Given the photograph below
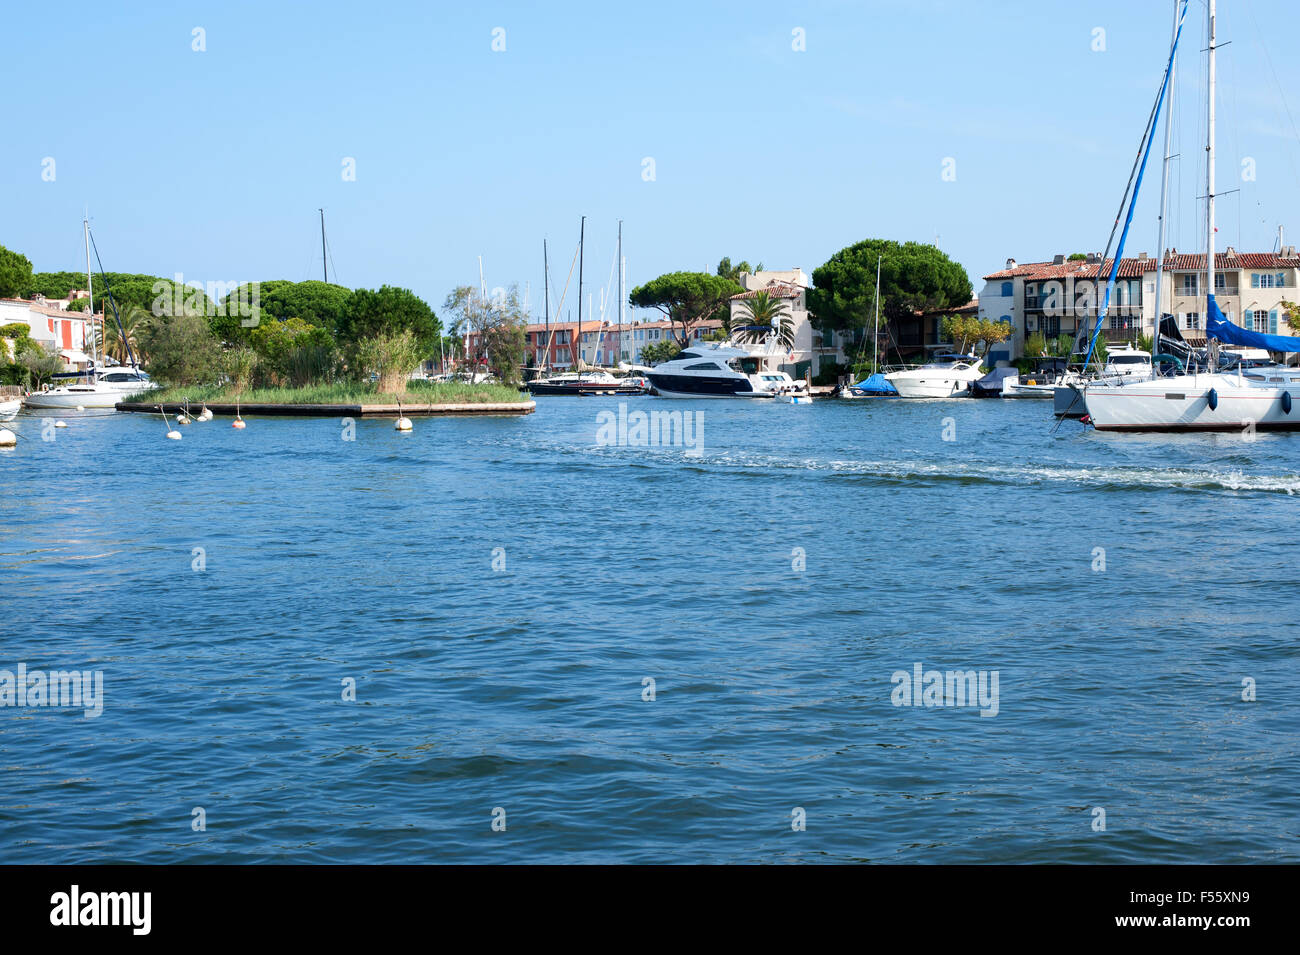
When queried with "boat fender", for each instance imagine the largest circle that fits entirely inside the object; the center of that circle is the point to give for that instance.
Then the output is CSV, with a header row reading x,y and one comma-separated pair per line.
x,y
1286,402
1212,399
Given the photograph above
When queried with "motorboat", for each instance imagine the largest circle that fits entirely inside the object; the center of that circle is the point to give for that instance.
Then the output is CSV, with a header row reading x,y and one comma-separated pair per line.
x,y
990,386
102,390
873,386
10,407
1040,381
586,383
944,376
719,370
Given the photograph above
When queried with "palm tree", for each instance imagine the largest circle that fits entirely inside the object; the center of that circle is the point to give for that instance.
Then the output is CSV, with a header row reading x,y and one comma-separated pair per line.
x,y
766,317
134,318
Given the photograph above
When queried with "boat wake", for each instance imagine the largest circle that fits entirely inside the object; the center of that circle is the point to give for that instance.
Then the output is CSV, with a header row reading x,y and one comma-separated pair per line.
x,y
1101,477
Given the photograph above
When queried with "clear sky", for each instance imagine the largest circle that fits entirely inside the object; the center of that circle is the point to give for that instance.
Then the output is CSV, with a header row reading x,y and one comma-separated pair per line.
x,y
213,163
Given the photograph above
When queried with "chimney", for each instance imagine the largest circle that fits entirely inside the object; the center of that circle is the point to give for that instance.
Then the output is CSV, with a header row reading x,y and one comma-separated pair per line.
x,y
1011,263
1230,252
1058,259
1142,256
1090,258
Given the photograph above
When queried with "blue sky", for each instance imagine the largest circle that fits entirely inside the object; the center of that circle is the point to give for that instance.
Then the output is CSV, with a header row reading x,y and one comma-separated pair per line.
x,y
214,163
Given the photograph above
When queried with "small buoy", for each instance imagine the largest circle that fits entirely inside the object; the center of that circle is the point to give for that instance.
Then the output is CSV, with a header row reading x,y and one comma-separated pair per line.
x,y
174,435
237,423
60,424
81,407
1286,402
182,418
7,438
205,414
1212,399
1086,419
403,424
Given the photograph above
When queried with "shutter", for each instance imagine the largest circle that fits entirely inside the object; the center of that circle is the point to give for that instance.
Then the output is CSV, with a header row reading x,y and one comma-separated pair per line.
x,y
1272,322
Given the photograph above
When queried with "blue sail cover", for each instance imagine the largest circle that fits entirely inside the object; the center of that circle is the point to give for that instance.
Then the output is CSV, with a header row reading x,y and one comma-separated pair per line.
x,y
1218,327
877,384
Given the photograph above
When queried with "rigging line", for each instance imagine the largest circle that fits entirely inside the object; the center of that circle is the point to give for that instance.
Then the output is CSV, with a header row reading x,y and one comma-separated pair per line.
x,y
1128,221
130,355
1143,146
560,305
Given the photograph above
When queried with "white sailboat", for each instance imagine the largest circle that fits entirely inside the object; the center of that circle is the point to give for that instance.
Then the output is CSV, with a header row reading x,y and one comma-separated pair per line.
x,y
103,388
1243,399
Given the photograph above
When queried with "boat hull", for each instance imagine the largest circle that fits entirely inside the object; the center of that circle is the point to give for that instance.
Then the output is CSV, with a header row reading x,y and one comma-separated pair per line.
x,y
78,399
1184,404
931,387
696,386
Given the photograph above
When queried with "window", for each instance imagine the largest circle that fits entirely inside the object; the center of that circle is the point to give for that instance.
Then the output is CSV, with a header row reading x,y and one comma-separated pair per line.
x,y
1259,321
704,366
1006,289
1189,285
1268,280
1192,320
828,339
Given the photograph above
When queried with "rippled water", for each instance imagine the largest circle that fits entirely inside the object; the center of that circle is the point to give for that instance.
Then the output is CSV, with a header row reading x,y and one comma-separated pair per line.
x,y
522,688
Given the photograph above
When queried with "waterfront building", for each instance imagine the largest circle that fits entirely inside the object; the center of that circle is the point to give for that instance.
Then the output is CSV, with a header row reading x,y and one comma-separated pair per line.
x,y
1055,297
52,325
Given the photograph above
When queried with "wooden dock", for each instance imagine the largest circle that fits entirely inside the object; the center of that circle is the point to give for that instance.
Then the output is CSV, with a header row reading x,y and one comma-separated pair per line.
x,y
409,409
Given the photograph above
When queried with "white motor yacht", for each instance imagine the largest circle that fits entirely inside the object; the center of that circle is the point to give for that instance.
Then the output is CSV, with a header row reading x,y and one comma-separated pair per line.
x,y
720,370
105,391
944,376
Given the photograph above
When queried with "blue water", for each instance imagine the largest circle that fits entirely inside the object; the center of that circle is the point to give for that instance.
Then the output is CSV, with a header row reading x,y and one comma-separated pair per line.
x,y
520,688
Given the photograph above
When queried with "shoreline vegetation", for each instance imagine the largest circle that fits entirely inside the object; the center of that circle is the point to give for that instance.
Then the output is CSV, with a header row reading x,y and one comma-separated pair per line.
x,y
335,393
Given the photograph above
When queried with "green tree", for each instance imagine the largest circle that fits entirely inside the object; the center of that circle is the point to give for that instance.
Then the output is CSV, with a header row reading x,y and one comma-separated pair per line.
x,y
733,272
914,277
967,331
40,363
658,352
388,311
1036,345
293,352
318,303
15,274
686,298
181,350
766,316
490,324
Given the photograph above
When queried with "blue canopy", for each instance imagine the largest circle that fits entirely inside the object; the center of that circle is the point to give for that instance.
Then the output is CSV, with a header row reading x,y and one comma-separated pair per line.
x,y
1218,327
877,384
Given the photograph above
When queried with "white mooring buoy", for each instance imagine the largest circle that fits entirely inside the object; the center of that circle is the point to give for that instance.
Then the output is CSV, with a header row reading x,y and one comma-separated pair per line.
x,y
60,424
403,422
238,422
7,438
171,432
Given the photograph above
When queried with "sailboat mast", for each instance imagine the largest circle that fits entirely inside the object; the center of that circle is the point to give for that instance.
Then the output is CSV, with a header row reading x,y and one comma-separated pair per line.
x,y
1209,166
546,280
582,234
622,266
1164,197
324,267
875,348
90,289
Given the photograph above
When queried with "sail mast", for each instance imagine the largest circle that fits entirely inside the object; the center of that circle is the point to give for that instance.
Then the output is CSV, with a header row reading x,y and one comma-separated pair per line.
x,y
1164,197
546,269
875,348
577,354
622,267
90,290
1209,168
323,265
